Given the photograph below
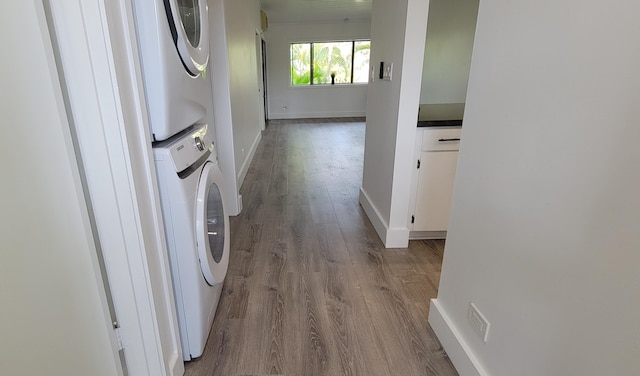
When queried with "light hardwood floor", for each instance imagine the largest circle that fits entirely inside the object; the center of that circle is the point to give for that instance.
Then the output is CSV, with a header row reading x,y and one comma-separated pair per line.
x,y
310,288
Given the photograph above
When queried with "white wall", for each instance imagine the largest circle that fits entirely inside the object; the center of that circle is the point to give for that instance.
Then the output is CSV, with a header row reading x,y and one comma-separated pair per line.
x,y
54,319
223,119
398,36
544,233
242,21
233,65
316,101
447,54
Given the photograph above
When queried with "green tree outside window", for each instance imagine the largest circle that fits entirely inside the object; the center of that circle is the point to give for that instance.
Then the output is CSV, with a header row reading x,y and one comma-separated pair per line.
x,y
329,63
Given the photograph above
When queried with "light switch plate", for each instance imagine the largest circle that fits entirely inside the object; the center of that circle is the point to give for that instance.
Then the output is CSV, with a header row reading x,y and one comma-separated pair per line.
x,y
388,72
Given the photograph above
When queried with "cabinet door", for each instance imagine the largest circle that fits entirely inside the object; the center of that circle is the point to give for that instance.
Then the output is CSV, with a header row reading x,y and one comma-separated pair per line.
x,y
435,189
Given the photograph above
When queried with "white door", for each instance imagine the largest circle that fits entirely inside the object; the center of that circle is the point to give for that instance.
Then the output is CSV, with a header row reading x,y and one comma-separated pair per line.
x,y
212,226
189,24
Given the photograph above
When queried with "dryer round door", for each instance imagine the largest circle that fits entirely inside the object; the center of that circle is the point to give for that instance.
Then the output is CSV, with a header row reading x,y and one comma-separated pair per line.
x,y
189,23
212,226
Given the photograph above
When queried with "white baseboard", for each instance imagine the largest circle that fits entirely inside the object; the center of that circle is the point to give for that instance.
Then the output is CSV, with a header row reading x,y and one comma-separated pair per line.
x,y
247,161
234,206
397,238
458,350
239,204
374,215
418,235
391,237
175,366
315,115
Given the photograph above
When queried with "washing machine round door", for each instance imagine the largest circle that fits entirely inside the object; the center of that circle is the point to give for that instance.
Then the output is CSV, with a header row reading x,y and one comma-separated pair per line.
x,y
189,23
212,226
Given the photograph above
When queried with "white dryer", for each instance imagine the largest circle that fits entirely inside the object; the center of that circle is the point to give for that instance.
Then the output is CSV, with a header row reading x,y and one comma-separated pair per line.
x,y
197,230
173,38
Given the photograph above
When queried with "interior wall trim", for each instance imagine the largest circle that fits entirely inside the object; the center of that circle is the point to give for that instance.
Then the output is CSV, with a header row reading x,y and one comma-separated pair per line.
x,y
374,215
460,353
315,115
242,174
391,237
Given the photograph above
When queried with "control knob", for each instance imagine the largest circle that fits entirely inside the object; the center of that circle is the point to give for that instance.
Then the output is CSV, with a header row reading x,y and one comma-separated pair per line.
x,y
199,143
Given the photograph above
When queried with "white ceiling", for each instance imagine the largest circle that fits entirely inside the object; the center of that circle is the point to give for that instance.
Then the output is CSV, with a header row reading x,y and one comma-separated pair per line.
x,y
317,10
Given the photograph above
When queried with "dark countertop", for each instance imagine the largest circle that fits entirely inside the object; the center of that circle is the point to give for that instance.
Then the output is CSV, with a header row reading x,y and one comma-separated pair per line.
x,y
439,115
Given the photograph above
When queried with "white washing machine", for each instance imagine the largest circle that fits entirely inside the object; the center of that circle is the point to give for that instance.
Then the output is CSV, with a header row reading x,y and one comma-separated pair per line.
x,y
197,230
173,38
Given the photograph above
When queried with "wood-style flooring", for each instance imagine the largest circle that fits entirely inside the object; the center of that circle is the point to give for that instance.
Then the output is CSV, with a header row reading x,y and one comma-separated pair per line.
x,y
311,290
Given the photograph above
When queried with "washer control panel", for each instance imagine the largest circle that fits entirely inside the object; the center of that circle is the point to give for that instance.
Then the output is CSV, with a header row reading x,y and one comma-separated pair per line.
x,y
190,148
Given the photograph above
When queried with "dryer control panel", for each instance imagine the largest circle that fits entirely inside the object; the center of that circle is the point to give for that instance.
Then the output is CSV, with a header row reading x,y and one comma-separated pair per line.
x,y
189,149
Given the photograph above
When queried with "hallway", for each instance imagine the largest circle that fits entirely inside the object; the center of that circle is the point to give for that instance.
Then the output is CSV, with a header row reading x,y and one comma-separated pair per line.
x,y
310,288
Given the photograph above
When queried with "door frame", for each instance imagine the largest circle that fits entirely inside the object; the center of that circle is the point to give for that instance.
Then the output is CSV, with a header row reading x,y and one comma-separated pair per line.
x,y
262,109
97,49
265,93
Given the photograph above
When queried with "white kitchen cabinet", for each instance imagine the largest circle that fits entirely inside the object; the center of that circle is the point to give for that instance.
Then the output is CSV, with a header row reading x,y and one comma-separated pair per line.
x,y
435,177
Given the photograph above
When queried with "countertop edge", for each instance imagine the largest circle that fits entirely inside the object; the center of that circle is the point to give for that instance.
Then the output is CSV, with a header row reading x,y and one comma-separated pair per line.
x,y
439,123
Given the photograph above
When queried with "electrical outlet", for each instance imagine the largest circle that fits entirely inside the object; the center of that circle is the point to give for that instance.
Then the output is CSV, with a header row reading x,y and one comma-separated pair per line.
x,y
479,323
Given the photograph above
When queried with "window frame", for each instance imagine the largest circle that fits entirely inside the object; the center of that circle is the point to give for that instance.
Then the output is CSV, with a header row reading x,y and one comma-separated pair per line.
x,y
311,63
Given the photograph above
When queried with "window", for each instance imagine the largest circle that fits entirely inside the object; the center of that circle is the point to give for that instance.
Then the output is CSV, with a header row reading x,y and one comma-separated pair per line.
x,y
328,63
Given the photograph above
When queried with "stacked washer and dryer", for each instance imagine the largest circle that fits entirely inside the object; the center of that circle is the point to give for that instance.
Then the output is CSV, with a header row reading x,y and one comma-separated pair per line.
x,y
173,38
